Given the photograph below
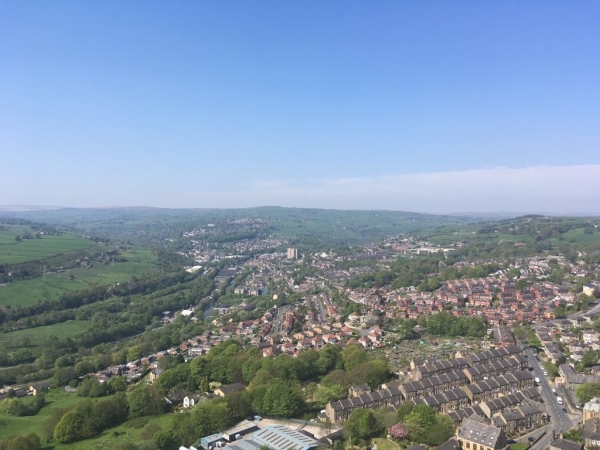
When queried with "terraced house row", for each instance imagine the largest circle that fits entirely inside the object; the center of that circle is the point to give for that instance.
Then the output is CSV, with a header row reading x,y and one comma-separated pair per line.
x,y
485,390
513,413
497,405
457,398
361,398
443,401
430,386
429,367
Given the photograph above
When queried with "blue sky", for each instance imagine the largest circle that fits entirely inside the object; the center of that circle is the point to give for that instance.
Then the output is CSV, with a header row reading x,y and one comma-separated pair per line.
x,y
202,104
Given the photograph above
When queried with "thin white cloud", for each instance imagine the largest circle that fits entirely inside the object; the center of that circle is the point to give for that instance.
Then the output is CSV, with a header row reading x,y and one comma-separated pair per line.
x,y
558,189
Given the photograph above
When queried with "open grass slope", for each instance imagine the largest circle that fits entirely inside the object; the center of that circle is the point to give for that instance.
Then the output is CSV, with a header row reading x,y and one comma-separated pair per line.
x,y
580,232
13,251
38,337
49,287
59,399
14,426
130,431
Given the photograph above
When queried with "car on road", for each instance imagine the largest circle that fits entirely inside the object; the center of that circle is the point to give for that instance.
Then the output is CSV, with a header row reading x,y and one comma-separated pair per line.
x,y
539,388
531,439
545,374
564,410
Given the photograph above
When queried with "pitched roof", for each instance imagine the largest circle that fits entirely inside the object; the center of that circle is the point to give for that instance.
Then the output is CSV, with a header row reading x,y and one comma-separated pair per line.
x,y
480,433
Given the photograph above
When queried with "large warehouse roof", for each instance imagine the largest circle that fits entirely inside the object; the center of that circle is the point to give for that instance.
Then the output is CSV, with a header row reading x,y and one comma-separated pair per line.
x,y
279,437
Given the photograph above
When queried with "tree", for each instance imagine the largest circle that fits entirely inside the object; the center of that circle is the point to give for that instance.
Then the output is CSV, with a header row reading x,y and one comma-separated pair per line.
x,y
353,355
372,372
362,424
442,430
118,384
552,369
30,441
239,404
407,325
14,407
281,400
398,431
146,401
420,420
329,358
574,434
164,440
134,353
91,387
326,394
404,410
587,391
559,312
589,358
69,427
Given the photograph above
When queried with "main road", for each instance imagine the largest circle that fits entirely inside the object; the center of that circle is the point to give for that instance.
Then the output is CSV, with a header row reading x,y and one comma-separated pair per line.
x,y
559,421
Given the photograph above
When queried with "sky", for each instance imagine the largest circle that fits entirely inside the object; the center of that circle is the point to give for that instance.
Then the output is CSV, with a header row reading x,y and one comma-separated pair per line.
x,y
429,106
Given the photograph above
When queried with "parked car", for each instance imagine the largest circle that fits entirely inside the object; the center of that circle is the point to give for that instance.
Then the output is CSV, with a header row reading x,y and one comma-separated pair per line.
x,y
531,439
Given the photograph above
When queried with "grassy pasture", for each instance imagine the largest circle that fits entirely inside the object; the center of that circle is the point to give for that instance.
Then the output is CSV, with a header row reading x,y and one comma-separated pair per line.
x,y
31,291
121,434
138,262
14,252
39,336
55,398
59,399
578,236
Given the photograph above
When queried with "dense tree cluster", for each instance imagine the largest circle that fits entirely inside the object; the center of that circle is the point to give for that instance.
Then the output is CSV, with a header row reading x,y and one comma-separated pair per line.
x,y
19,407
30,441
446,324
425,425
587,391
90,418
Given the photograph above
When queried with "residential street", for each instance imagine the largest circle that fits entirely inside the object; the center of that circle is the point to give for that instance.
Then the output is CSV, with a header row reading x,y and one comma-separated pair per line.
x,y
560,421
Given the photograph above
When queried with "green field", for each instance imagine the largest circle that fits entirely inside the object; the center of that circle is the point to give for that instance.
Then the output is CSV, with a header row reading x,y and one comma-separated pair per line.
x,y
57,398
14,252
122,433
39,336
578,236
31,291
138,262
13,426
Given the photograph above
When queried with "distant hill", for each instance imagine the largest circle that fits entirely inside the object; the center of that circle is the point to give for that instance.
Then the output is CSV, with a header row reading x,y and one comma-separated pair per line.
x,y
17,208
322,225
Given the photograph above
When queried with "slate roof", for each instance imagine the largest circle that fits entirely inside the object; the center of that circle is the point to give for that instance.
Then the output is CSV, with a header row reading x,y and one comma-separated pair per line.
x,y
474,431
